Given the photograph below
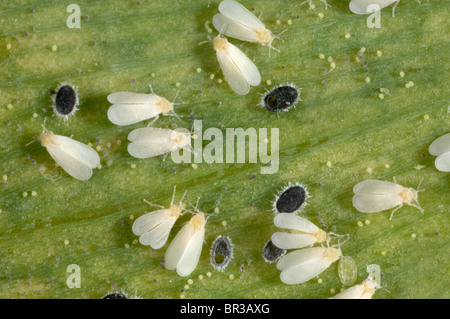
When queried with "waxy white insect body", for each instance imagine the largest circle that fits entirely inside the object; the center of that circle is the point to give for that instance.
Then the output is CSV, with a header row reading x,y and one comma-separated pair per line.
x,y
184,251
239,71
373,196
441,148
149,141
235,21
76,158
154,227
302,232
362,291
129,108
299,266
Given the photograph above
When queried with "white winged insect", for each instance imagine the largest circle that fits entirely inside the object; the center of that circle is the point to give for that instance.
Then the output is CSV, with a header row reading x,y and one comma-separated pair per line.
x,y
299,266
150,141
361,291
302,232
441,148
237,22
154,228
361,6
185,249
239,71
129,108
373,196
76,158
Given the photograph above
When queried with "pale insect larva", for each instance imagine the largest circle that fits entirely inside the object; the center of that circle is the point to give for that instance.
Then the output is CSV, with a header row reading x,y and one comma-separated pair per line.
x,y
238,69
299,266
149,141
76,158
441,148
302,232
129,108
154,228
235,21
373,196
185,249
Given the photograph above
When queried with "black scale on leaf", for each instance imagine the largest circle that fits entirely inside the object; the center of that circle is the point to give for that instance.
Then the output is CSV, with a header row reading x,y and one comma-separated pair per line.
x,y
281,98
66,101
115,295
221,252
272,253
290,199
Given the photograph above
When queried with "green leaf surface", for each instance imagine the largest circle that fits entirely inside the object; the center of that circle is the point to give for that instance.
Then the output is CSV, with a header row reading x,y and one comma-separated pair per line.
x,y
341,133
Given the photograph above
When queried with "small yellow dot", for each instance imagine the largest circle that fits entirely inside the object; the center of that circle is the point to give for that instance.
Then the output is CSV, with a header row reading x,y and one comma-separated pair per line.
x,y
387,165
321,56
35,115
369,170
357,60
135,242
319,280
329,164
224,223
109,162
208,274
330,59
413,236
186,287
381,96
379,53
231,277
198,70
131,217
426,117
152,75
367,222
194,166
66,242
411,83
332,291
98,148
177,84
332,65
108,145
278,22
367,80
211,76
182,296
362,50
289,22
190,281
219,81
383,253
127,246
209,30
5,177
24,194
99,166
133,165
9,106
347,36
200,277
54,48
402,74
360,224
311,6
320,15
8,46
269,82
34,193
216,210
